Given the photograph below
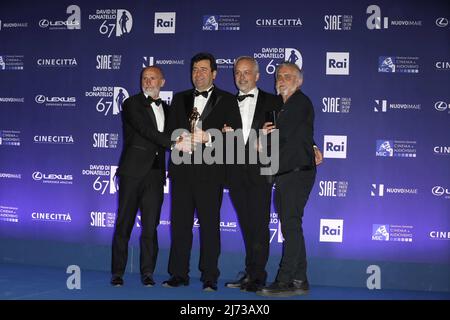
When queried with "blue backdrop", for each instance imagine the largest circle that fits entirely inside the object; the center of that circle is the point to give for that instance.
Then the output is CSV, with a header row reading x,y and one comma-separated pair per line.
x,y
378,76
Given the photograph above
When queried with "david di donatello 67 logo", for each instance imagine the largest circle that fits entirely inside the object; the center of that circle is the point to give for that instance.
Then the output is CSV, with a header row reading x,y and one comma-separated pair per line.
x,y
110,99
105,181
118,22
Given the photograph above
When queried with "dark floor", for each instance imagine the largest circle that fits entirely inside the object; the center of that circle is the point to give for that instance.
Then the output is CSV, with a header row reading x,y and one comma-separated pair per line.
x,y
25,282
37,290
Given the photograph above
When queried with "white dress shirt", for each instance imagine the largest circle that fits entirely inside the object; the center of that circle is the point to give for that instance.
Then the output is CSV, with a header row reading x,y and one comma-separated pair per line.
x,y
200,101
247,109
158,111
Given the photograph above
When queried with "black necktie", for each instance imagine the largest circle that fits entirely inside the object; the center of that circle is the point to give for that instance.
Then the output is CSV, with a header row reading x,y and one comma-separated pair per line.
x,y
150,100
241,98
203,93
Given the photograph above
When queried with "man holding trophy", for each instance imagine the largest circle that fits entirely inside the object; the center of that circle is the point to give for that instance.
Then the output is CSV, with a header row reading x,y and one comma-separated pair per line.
x,y
197,185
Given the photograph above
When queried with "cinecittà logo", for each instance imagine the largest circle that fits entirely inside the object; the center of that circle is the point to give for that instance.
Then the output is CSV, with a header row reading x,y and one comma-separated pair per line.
x,y
57,62
68,139
279,22
51,217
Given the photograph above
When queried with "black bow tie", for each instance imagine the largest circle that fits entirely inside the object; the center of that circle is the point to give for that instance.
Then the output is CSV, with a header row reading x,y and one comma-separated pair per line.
x,y
203,93
150,100
241,98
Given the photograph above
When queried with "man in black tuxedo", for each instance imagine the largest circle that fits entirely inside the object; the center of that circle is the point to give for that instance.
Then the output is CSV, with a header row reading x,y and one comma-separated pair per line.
x,y
141,175
198,185
294,180
250,191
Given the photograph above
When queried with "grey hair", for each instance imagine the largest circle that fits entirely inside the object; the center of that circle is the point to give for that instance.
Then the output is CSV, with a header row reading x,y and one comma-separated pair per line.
x,y
251,59
291,65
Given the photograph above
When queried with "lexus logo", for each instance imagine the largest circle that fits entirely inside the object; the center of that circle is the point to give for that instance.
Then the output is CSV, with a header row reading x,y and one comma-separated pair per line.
x,y
442,22
438,191
40,98
37,175
44,23
440,106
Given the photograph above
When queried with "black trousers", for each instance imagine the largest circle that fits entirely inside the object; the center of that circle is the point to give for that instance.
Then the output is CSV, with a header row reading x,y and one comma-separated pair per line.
x,y
291,195
205,197
147,195
252,203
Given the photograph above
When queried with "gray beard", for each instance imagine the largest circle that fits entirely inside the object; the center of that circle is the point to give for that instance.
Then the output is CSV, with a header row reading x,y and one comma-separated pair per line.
x,y
148,93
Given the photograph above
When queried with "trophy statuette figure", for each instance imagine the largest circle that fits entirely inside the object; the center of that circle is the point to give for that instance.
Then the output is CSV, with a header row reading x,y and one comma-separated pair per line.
x,y
194,116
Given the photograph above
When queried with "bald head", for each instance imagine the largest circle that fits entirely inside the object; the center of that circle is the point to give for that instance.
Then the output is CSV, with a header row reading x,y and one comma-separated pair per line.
x,y
152,79
246,73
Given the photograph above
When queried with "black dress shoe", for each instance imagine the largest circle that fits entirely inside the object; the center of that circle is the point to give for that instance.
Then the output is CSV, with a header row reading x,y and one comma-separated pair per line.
x,y
116,281
278,289
301,286
243,279
148,281
175,281
252,286
209,286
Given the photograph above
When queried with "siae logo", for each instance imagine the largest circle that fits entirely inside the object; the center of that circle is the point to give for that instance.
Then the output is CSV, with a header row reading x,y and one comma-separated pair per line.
x,y
105,140
375,21
102,219
333,22
108,61
336,104
333,188
165,22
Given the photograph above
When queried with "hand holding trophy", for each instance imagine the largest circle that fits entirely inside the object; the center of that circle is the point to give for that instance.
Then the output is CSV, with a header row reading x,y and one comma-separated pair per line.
x,y
194,116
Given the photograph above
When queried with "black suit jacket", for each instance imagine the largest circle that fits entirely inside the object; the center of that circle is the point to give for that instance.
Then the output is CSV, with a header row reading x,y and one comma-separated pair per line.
x,y
143,143
220,109
265,104
296,127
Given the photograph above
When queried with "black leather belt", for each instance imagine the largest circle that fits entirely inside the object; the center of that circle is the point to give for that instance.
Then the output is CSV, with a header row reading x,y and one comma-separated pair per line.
x,y
302,168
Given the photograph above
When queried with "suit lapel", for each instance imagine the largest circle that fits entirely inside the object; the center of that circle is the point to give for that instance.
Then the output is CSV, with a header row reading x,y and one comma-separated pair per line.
x,y
149,110
188,105
259,115
212,102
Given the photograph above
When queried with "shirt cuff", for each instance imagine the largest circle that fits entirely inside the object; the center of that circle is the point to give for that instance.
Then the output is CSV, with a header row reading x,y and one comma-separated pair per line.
x,y
209,142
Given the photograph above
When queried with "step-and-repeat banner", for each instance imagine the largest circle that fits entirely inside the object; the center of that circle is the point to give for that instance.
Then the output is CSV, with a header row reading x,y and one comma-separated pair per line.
x,y
378,74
